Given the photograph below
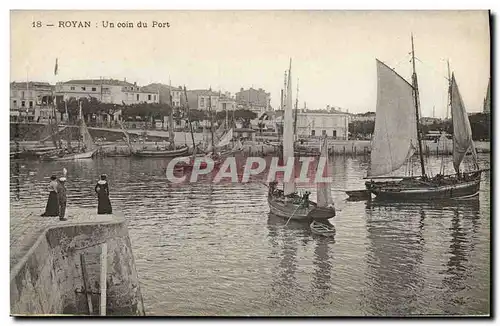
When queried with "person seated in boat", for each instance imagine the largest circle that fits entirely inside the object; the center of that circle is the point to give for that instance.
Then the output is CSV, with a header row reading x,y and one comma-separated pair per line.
x,y
84,149
272,188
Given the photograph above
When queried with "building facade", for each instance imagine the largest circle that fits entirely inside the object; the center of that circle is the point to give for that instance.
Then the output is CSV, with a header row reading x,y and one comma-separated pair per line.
x,y
31,101
203,99
106,91
333,124
257,100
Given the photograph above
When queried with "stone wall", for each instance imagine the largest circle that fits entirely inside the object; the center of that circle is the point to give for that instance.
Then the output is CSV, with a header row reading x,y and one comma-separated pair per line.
x,y
48,280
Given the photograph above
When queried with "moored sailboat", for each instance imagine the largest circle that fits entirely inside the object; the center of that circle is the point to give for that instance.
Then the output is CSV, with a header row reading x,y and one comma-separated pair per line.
x,y
288,203
87,151
173,150
396,132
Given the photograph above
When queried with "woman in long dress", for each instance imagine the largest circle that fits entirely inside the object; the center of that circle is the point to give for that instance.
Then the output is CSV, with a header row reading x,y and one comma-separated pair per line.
x,y
103,202
52,208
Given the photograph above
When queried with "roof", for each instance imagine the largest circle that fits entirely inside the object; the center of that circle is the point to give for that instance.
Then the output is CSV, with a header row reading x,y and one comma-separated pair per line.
x,y
113,82
204,92
30,85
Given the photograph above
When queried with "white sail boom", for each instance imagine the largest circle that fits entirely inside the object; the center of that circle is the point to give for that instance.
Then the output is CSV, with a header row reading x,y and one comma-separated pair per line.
x,y
289,187
395,134
462,133
324,192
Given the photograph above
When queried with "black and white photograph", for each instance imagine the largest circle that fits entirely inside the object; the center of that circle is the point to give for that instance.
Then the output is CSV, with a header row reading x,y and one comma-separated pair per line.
x,y
250,163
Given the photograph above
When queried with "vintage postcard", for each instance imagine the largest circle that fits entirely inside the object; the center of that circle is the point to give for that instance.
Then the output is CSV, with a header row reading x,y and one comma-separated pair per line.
x,y
250,163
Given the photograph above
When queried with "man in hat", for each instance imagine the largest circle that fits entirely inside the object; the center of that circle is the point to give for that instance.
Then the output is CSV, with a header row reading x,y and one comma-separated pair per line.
x,y
61,196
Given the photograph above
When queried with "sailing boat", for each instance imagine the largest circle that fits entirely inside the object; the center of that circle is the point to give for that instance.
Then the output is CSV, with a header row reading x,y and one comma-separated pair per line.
x,y
173,151
89,148
287,203
181,166
396,132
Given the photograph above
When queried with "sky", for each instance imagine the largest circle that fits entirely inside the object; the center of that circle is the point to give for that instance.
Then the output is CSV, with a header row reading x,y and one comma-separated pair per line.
x,y
333,52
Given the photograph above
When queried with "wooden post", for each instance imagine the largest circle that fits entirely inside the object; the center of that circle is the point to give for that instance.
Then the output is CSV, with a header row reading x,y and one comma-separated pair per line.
x,y
104,271
85,288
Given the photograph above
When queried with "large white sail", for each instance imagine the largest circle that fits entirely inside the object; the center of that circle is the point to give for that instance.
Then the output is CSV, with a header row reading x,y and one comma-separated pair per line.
x,y
462,133
324,192
289,187
395,134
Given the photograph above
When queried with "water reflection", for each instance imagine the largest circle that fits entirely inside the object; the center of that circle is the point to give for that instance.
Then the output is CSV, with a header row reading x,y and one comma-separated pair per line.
x,y
394,257
322,261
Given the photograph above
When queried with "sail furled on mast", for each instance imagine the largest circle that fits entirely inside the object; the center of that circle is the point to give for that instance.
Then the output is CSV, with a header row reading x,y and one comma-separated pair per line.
x,y
288,137
462,133
324,192
395,134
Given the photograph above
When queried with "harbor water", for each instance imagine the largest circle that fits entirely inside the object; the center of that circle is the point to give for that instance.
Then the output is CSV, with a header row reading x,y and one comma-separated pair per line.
x,y
213,249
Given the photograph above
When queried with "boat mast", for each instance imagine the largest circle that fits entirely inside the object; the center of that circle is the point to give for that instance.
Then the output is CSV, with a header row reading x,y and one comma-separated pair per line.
x,y
171,118
296,111
211,118
448,107
415,92
189,121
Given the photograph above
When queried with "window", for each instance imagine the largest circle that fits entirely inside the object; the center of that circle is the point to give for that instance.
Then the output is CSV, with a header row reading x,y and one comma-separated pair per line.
x,y
94,89
14,102
202,102
323,132
23,103
335,134
149,97
137,97
72,88
224,106
154,98
313,132
31,104
22,94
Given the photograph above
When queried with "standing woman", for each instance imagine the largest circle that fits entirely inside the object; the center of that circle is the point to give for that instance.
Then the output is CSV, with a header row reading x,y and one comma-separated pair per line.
x,y
102,190
52,208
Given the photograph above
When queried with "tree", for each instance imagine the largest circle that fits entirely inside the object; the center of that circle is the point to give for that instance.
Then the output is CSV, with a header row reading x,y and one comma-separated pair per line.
x,y
245,116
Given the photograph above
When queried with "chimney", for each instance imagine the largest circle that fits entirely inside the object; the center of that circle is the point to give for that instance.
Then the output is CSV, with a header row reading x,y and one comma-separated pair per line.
x,y
135,83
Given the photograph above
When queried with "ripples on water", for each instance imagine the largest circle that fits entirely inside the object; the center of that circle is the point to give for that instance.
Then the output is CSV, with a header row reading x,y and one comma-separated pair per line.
x,y
212,249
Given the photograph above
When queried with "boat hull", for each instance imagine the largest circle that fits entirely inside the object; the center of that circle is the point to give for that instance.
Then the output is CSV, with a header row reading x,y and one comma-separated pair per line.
x,y
169,153
394,191
78,156
326,230
295,211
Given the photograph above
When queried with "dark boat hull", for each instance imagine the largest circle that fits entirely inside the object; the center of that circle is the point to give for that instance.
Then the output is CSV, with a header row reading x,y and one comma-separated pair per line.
x,y
169,153
295,211
398,191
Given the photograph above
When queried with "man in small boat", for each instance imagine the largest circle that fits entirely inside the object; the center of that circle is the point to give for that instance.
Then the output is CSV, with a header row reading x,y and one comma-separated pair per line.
x,y
52,208
272,188
102,191
305,199
61,196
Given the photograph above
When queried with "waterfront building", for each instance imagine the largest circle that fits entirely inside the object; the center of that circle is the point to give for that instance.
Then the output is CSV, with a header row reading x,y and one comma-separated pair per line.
x,y
256,100
318,123
31,101
201,99
106,91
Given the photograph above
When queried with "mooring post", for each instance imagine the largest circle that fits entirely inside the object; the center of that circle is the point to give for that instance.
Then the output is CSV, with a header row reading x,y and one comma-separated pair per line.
x,y
104,271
